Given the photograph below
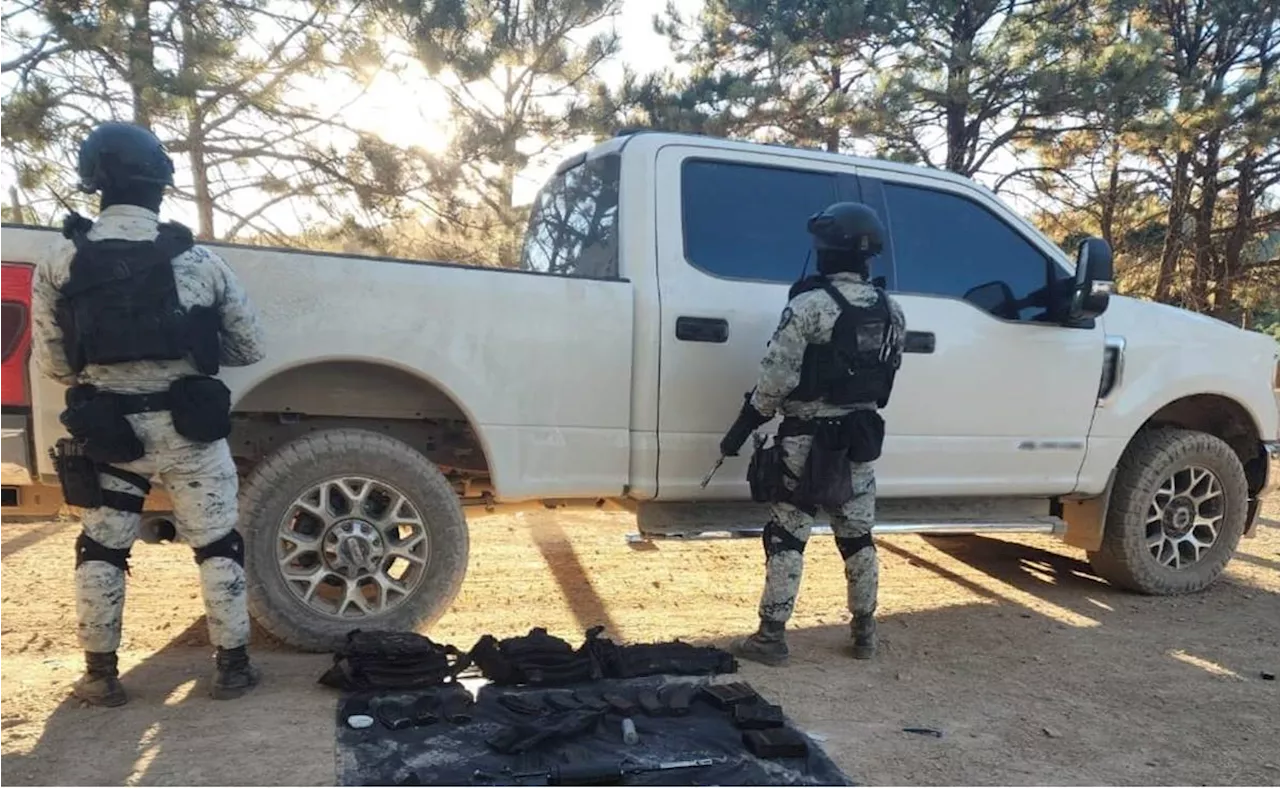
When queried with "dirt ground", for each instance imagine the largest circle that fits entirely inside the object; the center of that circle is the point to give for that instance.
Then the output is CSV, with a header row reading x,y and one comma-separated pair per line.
x,y
1035,671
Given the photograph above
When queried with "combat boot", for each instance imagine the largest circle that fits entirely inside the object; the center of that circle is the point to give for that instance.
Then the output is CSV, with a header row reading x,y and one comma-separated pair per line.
x,y
234,675
864,636
100,685
767,646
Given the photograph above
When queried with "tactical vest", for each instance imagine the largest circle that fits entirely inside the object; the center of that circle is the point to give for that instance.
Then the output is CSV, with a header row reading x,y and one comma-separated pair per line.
x,y
858,365
121,303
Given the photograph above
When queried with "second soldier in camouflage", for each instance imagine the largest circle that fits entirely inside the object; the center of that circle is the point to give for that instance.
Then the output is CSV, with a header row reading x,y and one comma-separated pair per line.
x,y
856,334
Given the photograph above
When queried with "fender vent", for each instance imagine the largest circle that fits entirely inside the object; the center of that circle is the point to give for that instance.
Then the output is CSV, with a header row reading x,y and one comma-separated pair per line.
x,y
1112,366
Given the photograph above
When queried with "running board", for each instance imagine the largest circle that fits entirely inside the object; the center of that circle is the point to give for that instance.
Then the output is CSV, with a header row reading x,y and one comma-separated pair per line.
x,y
692,522
1047,525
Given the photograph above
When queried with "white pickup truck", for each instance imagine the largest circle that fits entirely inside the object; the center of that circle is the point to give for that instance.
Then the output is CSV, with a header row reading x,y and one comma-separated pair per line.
x,y
610,365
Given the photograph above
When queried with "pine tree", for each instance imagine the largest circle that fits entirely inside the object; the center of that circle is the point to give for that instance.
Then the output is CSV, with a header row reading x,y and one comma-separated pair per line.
x,y
517,76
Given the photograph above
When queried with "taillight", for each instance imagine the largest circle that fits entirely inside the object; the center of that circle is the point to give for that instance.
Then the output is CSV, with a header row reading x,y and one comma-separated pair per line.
x,y
13,322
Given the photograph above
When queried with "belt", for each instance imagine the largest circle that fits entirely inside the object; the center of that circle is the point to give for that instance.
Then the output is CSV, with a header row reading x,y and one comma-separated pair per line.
x,y
792,426
142,403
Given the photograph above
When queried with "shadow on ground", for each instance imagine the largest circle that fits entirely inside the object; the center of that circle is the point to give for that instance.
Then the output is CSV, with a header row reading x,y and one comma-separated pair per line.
x,y
1040,674
176,735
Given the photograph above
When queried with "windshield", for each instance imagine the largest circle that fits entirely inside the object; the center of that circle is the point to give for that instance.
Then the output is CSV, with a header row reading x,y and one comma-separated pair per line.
x,y
573,229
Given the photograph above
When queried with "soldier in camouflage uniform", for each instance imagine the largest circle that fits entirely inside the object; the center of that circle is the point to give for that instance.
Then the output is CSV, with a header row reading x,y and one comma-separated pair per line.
x,y
846,236
130,168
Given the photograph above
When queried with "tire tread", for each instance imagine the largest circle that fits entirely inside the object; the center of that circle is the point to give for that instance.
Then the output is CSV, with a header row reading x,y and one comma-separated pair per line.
x,y
1123,560
277,475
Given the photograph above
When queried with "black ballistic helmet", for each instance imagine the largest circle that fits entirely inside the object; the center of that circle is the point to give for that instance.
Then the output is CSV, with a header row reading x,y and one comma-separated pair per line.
x,y
847,227
121,156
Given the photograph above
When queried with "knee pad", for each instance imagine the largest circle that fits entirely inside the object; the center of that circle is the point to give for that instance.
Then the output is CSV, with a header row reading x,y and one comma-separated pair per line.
x,y
230,546
851,545
779,540
90,549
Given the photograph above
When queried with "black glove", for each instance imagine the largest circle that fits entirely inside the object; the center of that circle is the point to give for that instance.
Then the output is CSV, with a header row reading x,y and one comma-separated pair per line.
x,y
748,419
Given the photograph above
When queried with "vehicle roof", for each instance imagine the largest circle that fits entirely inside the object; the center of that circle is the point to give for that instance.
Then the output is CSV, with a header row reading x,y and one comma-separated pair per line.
x,y
658,138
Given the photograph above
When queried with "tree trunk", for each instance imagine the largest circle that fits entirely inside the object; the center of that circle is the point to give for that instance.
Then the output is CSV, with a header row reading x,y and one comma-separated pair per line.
x,y
959,64
833,134
18,213
142,63
200,177
1107,221
1173,234
195,129
1204,253
1230,262
507,179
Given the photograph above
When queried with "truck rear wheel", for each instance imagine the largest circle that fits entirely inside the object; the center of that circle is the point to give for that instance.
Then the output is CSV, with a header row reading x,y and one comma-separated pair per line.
x,y
347,529
1176,515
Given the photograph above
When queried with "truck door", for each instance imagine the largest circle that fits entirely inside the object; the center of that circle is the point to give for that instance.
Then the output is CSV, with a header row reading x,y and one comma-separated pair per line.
x,y
730,243
995,395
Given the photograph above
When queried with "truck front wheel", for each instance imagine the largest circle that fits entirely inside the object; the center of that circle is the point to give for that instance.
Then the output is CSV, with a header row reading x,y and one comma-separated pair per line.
x,y
1176,514
347,529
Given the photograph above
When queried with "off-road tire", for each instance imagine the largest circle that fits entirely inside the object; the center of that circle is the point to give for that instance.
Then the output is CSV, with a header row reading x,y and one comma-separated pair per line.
x,y
1153,456
274,484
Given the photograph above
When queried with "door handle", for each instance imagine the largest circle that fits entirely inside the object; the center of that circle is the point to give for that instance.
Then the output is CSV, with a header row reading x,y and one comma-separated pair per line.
x,y
919,342
702,329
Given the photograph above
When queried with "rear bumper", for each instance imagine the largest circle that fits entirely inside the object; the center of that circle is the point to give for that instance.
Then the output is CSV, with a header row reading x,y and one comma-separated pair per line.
x,y
1270,488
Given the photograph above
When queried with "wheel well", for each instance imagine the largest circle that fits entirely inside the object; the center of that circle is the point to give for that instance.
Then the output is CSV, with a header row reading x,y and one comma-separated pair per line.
x,y
1216,415
362,395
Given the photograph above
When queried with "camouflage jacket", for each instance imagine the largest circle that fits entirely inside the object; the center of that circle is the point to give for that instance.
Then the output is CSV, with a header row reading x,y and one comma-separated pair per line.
x,y
202,278
810,318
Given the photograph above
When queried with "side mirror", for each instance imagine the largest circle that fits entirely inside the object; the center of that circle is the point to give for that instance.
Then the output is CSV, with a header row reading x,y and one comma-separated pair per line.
x,y
1095,280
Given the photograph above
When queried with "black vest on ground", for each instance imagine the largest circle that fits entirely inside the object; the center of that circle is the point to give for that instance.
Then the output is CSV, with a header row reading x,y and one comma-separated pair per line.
x,y
858,365
121,303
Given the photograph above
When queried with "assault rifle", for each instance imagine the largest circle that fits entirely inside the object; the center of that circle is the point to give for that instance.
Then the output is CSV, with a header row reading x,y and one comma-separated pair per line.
x,y
607,772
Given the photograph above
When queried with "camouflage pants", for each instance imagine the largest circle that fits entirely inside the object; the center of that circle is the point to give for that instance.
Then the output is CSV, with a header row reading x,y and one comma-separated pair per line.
x,y
202,484
851,524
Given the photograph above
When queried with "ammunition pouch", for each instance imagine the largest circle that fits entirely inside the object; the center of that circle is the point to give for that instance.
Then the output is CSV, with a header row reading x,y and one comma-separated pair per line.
x,y
827,478
203,327
865,432
766,472
201,408
97,419
77,474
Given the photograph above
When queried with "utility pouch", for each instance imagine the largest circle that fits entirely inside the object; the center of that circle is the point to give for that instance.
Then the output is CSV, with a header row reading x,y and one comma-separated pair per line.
x,y
72,347
827,478
866,435
77,474
98,422
201,408
765,473
203,341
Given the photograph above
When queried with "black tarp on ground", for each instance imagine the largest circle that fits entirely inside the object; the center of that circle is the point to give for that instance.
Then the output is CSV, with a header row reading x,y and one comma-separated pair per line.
x,y
447,754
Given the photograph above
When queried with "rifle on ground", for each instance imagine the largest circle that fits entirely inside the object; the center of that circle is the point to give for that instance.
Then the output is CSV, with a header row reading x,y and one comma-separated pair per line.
x,y
607,772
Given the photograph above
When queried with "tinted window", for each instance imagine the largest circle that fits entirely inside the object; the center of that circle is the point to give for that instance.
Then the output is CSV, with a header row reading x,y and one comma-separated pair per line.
x,y
944,244
573,228
748,222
